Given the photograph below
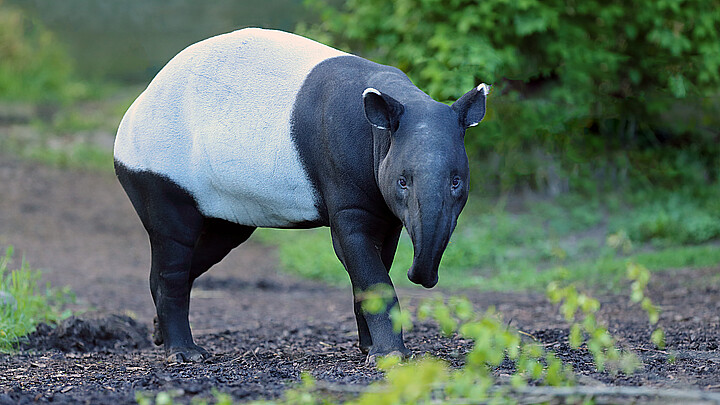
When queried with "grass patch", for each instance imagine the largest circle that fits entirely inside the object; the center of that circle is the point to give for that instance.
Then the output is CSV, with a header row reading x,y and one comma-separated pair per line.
x,y
586,241
23,304
604,273
669,219
76,135
307,253
62,152
74,155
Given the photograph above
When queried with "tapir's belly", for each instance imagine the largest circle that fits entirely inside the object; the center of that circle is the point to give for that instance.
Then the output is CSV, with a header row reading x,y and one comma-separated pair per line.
x,y
216,121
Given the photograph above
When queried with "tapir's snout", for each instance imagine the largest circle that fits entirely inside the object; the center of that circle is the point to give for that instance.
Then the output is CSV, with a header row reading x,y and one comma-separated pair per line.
x,y
425,278
430,238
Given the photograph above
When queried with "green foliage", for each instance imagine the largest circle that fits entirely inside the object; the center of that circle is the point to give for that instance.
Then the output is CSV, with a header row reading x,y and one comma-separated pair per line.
x,y
161,398
168,398
579,310
407,384
429,380
29,305
375,299
600,343
640,276
582,89
33,64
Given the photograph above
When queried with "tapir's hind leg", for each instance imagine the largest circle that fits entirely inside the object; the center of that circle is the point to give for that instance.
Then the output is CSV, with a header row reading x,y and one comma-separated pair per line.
x,y
217,238
174,226
170,287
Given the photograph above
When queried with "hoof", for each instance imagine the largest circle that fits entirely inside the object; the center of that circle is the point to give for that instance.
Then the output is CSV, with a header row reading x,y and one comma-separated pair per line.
x,y
371,360
194,354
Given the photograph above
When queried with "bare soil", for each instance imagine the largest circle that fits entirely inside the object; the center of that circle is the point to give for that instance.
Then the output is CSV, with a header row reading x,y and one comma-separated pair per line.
x,y
264,327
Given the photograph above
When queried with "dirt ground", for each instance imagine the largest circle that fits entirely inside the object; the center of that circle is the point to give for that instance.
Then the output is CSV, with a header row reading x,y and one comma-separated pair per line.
x,y
263,327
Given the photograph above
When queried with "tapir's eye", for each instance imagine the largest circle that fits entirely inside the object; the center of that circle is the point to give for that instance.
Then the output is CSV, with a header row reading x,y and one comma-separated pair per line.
x,y
402,182
456,182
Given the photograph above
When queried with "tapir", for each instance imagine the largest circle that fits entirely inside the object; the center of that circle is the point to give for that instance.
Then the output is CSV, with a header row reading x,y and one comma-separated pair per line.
x,y
263,128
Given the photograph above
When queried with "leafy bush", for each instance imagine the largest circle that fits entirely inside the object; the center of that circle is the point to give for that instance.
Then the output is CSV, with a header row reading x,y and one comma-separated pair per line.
x,y
573,79
33,64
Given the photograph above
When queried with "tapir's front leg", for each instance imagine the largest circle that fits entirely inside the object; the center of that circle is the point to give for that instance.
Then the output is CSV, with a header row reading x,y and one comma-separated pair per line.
x,y
357,237
387,254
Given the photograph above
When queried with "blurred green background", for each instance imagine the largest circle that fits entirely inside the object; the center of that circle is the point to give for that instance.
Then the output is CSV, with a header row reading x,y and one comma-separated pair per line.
x,y
130,40
600,144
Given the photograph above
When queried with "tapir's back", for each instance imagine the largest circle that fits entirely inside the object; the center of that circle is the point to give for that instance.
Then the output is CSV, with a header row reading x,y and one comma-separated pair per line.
x,y
216,121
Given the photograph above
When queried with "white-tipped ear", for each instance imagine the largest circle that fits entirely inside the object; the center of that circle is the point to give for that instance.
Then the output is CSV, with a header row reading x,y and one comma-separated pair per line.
x,y
371,90
381,110
471,106
484,88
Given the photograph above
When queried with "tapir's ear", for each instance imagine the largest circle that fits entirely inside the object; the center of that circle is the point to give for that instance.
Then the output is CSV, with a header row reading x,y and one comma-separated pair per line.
x,y
381,110
471,106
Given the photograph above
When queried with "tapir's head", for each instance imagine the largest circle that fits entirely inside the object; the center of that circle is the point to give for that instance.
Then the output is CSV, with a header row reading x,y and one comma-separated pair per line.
x,y
423,167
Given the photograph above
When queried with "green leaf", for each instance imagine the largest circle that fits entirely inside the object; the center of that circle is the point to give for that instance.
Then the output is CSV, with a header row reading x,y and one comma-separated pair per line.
x,y
575,339
658,338
401,320
676,84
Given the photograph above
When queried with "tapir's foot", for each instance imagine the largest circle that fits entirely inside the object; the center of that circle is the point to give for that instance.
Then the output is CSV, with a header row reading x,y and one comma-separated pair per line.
x,y
188,354
371,360
157,333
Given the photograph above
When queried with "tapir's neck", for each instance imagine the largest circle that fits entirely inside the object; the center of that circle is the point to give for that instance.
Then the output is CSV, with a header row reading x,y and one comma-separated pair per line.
x,y
381,145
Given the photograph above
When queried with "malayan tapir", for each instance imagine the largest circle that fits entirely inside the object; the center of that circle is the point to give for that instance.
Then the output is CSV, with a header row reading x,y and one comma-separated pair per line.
x,y
262,128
